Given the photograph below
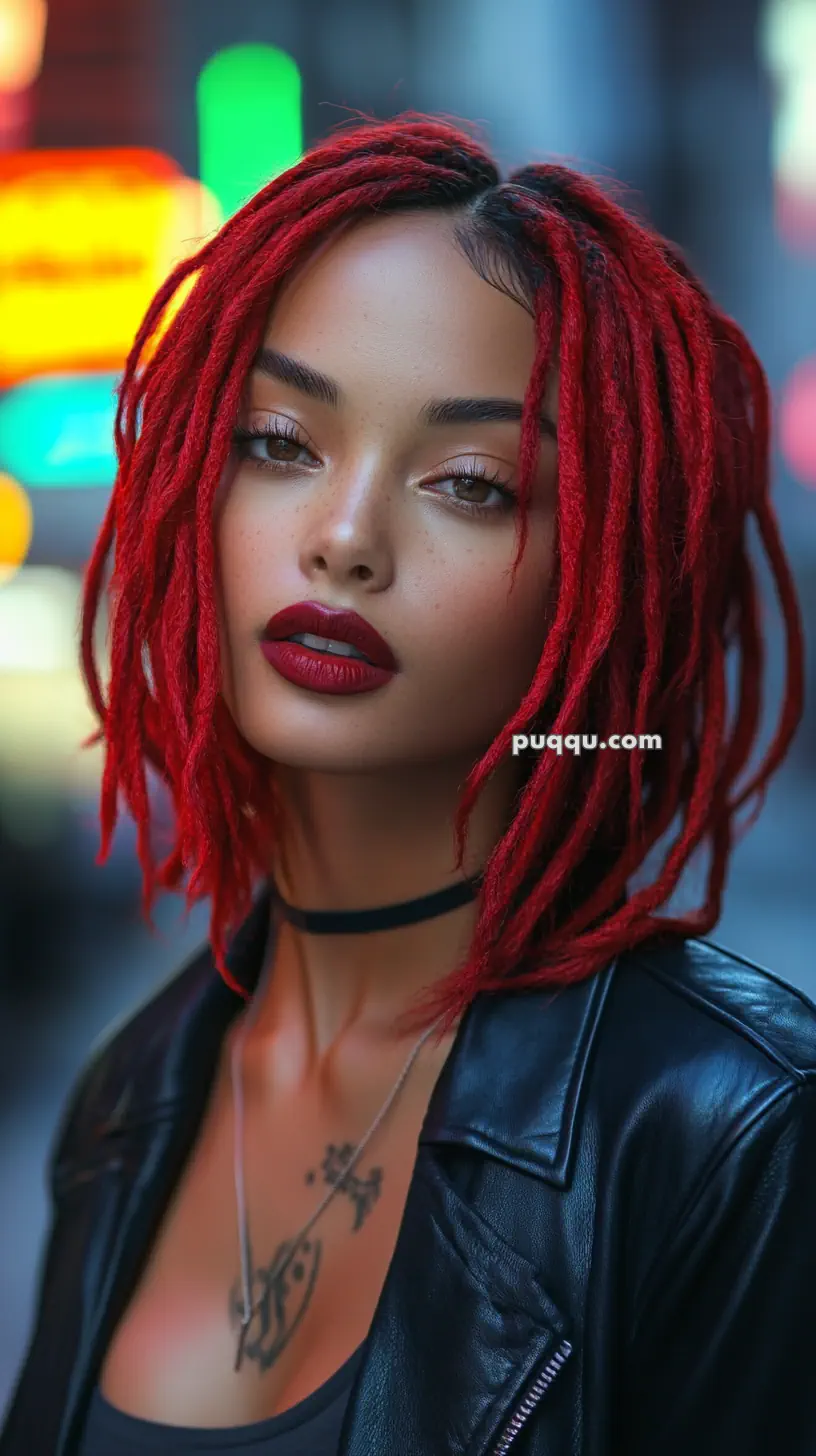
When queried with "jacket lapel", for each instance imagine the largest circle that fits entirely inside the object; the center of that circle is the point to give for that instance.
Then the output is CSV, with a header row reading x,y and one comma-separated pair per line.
x,y
465,1321
466,1337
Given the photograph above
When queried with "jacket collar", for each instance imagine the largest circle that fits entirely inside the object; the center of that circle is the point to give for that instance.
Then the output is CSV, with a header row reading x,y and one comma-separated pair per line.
x,y
529,1120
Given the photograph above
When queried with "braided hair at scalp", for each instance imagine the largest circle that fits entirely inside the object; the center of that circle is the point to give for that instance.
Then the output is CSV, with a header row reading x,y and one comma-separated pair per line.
x,y
663,457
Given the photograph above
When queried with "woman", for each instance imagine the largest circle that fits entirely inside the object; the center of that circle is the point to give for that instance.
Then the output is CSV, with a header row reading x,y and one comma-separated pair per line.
x,y
495,1158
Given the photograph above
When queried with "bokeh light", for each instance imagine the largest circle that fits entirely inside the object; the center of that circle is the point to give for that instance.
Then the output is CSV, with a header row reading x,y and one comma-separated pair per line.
x,y
250,129
22,36
788,44
86,238
57,430
16,526
46,713
797,422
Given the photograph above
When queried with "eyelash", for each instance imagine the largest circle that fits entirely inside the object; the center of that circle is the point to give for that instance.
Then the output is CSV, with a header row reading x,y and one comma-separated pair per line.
x,y
243,436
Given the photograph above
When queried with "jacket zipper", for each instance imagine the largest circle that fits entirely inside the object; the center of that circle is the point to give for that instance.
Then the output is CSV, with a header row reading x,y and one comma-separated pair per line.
x,y
539,1387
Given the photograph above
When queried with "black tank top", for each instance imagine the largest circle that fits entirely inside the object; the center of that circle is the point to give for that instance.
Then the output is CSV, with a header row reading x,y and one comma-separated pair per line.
x,y
310,1428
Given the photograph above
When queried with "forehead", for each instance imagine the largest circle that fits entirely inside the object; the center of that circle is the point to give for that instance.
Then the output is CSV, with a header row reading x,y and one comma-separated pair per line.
x,y
397,289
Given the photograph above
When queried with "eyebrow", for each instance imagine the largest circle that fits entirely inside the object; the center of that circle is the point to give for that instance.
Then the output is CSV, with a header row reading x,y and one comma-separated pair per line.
x,y
453,411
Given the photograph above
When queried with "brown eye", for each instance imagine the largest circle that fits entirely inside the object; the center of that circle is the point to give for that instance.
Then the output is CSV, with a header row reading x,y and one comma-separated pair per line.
x,y
476,491
268,449
473,488
282,448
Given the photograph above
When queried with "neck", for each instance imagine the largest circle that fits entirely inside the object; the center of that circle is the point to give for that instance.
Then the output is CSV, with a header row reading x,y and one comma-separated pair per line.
x,y
353,842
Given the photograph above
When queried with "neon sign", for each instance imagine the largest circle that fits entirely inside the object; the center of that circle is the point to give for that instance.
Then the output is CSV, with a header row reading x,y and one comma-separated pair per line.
x,y
86,238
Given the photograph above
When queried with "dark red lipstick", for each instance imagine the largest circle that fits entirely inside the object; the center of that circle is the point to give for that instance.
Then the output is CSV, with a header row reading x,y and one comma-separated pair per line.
x,y
349,656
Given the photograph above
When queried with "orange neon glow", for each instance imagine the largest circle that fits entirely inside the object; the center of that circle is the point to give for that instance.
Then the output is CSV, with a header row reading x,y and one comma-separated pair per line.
x,y
16,525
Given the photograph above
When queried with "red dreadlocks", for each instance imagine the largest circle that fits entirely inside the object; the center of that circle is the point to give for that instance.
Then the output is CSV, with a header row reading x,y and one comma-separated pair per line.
x,y
663,457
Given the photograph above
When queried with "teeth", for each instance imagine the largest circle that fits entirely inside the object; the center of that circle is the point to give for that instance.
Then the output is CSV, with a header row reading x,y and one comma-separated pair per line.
x,y
327,644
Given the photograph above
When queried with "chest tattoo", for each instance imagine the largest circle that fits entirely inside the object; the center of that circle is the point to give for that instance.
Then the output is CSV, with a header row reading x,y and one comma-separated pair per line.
x,y
281,1291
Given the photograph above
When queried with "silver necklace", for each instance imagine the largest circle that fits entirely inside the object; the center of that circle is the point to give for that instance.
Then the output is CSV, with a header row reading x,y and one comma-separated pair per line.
x,y
250,1309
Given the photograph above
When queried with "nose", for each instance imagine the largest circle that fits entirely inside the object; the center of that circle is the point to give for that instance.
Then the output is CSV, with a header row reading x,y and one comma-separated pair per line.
x,y
349,540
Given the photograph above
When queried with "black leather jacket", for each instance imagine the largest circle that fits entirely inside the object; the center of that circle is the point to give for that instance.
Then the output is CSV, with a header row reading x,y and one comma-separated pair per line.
x,y
609,1242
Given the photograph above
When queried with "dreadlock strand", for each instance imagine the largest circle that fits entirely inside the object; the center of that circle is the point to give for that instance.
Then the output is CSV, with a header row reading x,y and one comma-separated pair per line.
x,y
654,589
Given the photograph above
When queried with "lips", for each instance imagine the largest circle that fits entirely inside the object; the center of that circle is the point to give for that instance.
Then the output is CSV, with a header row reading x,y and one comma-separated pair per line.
x,y
335,624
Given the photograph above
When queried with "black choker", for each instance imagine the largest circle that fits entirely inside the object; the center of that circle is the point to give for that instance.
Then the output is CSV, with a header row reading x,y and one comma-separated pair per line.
x,y
382,917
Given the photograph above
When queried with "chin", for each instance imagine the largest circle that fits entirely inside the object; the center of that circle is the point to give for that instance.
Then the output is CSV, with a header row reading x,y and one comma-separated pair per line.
x,y
322,753
345,740
383,757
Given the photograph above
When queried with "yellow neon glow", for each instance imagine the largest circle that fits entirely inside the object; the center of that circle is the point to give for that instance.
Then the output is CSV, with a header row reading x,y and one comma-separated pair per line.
x,y
22,37
198,215
86,238
179,297
16,526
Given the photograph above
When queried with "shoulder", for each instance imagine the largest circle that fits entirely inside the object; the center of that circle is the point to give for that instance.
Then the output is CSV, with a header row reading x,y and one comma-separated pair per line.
x,y
717,1138
704,1056
143,1064
120,1079
700,996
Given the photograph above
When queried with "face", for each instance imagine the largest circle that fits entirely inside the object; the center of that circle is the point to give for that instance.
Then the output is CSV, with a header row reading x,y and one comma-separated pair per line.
x,y
363,503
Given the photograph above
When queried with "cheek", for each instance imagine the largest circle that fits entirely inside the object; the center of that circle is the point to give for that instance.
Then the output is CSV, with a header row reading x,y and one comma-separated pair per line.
x,y
245,567
243,574
483,639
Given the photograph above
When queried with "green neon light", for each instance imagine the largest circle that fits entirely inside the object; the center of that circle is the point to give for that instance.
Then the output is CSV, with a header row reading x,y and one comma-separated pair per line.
x,y
248,101
57,430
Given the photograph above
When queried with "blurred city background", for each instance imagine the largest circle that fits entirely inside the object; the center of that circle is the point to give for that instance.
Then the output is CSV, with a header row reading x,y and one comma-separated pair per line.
x,y
128,130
